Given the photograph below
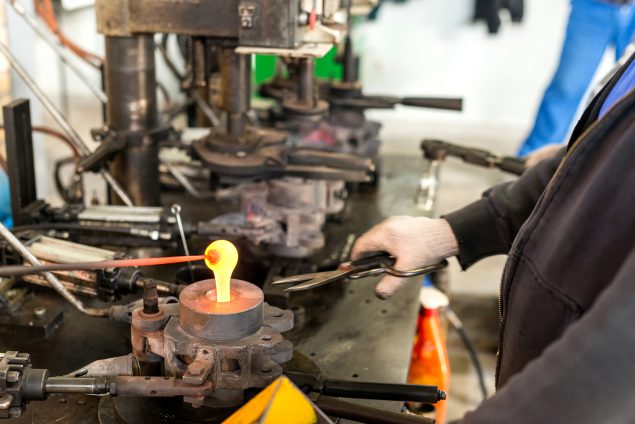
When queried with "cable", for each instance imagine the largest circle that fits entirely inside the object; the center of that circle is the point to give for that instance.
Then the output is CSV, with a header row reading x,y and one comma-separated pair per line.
x,y
53,133
63,53
44,8
457,324
52,279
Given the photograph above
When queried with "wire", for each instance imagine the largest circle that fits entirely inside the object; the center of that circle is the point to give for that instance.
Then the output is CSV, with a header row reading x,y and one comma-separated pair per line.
x,y
44,8
53,133
457,324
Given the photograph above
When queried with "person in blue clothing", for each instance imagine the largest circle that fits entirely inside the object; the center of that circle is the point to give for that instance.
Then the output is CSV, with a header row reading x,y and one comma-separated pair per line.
x,y
593,26
5,200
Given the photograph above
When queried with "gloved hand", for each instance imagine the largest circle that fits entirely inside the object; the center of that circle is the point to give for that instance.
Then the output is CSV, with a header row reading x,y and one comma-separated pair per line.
x,y
415,242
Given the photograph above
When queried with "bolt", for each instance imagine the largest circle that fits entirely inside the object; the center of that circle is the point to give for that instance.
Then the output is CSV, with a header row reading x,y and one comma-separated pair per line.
x,y
150,297
39,311
13,376
5,401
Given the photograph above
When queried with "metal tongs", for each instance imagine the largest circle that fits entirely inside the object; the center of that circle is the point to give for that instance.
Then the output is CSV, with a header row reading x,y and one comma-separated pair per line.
x,y
369,266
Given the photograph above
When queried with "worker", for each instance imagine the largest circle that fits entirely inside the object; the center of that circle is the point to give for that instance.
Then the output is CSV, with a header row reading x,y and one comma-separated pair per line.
x,y
568,288
593,26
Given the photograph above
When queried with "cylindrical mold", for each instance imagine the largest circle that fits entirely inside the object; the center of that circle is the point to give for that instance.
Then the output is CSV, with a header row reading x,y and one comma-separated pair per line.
x,y
200,315
306,81
236,88
131,88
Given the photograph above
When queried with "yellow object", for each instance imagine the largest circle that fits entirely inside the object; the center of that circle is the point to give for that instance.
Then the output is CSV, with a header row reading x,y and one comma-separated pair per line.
x,y
280,402
221,257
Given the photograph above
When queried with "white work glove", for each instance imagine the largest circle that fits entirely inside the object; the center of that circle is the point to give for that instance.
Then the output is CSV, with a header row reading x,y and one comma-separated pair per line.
x,y
416,242
545,152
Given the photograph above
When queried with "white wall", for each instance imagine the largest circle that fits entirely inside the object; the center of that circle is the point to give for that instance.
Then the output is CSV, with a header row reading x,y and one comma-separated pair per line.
x,y
420,47
430,47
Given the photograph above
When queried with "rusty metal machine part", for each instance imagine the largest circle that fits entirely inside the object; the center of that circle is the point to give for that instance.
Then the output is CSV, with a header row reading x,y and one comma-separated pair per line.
x,y
284,216
202,316
231,347
267,24
133,116
19,383
105,284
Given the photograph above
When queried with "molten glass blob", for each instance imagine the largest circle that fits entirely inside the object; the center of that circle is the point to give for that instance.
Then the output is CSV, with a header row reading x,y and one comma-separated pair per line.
x,y
221,257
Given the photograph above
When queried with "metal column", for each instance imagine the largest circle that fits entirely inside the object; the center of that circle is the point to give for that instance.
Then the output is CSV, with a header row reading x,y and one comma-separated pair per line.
x,y
133,114
306,82
19,143
236,89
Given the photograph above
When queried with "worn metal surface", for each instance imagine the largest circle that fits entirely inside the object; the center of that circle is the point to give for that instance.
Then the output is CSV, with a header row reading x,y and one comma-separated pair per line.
x,y
347,331
203,317
133,115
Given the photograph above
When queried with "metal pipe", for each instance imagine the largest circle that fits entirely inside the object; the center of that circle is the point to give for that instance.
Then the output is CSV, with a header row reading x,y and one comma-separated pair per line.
x,y
236,88
133,114
52,279
60,119
204,107
83,386
306,81
63,54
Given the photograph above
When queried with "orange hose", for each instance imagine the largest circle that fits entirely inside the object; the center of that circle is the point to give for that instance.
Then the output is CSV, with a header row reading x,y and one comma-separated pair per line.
x,y
54,133
44,8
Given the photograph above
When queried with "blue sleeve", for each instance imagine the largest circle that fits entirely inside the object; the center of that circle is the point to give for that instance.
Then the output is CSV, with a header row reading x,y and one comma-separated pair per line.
x,y
5,200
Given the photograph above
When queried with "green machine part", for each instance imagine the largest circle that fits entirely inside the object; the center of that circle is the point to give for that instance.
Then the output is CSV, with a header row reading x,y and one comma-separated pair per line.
x,y
325,68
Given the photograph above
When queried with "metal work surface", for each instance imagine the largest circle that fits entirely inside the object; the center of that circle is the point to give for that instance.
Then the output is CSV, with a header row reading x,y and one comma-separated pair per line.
x,y
347,331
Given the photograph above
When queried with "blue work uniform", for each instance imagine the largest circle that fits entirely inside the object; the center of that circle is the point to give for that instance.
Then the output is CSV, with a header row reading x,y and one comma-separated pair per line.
x,y
593,26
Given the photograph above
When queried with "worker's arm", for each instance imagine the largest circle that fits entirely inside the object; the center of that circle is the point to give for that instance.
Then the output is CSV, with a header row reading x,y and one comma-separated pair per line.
x,y
489,226
587,376
486,227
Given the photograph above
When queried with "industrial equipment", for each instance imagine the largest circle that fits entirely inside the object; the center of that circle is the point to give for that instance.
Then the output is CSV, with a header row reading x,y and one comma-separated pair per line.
x,y
190,349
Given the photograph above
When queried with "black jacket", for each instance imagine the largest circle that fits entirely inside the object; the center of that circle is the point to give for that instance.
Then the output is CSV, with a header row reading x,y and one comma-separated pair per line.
x,y
568,292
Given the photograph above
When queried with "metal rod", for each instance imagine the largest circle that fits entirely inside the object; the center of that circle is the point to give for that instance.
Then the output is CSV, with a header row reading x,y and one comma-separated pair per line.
x,y
52,279
204,107
306,81
19,270
60,119
176,210
63,54
70,385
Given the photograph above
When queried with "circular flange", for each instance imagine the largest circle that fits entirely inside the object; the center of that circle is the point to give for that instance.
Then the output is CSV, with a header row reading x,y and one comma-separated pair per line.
x,y
202,316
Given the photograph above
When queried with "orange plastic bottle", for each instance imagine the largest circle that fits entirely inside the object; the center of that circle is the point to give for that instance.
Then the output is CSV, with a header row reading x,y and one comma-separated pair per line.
x,y
429,364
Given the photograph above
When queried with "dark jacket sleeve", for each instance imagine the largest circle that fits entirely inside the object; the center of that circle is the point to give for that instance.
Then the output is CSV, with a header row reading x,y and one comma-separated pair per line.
x,y
488,226
584,377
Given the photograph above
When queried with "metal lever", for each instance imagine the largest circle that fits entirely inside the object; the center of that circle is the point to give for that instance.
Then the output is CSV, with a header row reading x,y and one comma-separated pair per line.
x,y
387,102
381,391
366,390
106,150
439,150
